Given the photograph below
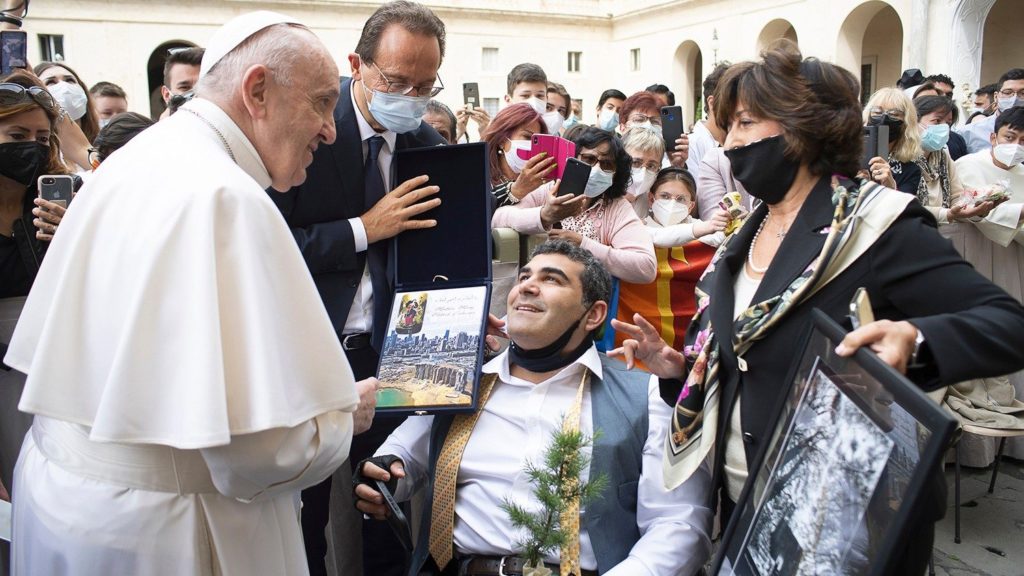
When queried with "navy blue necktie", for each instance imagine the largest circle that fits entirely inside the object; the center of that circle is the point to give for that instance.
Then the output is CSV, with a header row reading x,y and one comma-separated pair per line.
x,y
377,253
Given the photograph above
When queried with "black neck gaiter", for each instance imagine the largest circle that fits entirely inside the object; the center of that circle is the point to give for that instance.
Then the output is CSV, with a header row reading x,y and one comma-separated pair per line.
x,y
550,357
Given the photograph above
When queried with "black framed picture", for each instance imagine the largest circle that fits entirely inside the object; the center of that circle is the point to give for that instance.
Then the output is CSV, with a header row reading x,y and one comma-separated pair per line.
x,y
851,446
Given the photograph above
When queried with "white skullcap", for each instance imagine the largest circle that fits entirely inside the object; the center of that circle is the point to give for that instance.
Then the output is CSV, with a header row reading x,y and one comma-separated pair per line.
x,y
236,31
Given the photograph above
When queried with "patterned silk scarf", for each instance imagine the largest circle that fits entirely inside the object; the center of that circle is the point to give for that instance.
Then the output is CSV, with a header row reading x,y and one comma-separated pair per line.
x,y
933,165
860,216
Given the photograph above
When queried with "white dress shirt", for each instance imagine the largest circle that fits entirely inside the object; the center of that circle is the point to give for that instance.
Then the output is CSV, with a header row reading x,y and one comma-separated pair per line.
x,y
516,426
360,315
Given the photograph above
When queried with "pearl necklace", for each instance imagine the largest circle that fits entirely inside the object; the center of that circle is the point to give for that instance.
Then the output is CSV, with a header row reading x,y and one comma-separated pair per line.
x,y
750,251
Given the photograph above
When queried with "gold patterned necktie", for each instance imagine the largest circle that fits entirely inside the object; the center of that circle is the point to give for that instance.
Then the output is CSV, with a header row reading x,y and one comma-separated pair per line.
x,y
442,519
570,518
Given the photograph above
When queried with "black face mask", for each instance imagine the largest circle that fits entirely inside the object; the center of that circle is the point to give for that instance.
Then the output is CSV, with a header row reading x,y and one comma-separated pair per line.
x,y
763,169
549,357
895,125
23,161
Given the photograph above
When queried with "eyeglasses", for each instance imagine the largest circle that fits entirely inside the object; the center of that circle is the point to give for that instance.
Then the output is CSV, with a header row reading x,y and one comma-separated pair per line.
x,y
677,199
638,118
404,89
11,94
650,165
1009,92
607,164
876,111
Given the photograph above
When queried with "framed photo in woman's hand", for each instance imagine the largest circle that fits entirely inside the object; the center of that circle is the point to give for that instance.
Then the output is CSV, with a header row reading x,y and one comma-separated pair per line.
x,y
850,449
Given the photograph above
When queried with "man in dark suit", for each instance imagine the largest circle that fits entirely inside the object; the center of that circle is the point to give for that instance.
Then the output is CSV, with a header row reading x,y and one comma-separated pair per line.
x,y
343,218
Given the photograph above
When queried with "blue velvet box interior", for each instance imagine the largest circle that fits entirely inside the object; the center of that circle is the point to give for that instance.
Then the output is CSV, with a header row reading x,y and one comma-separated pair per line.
x,y
457,251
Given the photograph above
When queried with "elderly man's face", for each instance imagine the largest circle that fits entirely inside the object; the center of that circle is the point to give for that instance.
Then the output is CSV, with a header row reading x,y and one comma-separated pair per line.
x,y
299,118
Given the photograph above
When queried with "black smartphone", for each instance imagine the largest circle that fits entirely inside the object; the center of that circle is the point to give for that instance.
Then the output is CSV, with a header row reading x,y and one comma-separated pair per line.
x,y
876,143
56,188
471,94
13,51
671,126
396,519
574,177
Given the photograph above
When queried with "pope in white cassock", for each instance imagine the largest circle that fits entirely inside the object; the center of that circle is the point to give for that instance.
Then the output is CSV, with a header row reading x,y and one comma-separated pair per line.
x,y
184,375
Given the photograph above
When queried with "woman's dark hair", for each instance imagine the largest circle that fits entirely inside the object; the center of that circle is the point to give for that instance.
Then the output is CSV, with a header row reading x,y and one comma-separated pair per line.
x,y
118,132
54,164
816,103
412,17
90,123
591,138
610,93
928,104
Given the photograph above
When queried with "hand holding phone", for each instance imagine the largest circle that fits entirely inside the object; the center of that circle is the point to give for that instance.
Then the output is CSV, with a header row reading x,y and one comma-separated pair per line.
x,y
574,178
56,188
671,126
396,518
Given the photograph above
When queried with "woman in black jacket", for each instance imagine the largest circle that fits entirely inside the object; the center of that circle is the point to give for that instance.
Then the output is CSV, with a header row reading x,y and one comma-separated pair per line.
x,y
794,142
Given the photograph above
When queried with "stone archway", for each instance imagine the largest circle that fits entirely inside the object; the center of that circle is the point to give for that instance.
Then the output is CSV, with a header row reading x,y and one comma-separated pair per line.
x,y
687,76
870,45
155,73
1001,48
775,30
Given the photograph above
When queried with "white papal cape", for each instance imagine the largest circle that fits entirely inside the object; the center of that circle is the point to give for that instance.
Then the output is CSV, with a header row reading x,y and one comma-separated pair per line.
x,y
185,378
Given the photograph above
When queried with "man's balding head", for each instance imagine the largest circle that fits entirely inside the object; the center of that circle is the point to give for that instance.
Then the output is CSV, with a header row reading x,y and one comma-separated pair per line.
x,y
280,85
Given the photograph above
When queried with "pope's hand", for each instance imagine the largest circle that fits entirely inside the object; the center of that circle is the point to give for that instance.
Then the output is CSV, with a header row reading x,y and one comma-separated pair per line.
x,y
370,501
363,416
396,211
645,344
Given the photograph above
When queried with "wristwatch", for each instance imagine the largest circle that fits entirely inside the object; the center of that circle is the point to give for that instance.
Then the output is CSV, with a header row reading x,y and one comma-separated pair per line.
x,y
917,349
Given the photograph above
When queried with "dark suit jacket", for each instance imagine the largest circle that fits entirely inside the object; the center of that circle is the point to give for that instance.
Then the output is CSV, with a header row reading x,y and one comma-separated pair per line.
x,y
972,328
318,210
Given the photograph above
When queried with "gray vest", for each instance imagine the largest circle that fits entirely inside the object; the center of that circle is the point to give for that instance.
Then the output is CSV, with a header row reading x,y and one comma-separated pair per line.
x,y
619,404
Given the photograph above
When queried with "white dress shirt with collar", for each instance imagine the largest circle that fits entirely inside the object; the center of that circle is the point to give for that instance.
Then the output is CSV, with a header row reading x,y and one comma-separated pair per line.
x,y
360,316
520,418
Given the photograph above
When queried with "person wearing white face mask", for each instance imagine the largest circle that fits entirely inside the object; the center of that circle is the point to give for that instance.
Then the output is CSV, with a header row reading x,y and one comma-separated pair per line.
x,y
995,247
559,108
684,247
608,106
600,220
646,149
643,110
69,91
1010,93
528,83
512,176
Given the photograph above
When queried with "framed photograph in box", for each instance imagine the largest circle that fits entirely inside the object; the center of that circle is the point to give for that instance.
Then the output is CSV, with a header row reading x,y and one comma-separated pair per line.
x,y
832,490
433,350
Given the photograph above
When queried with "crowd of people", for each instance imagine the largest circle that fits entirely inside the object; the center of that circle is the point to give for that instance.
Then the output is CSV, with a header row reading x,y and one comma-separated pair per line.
x,y
211,409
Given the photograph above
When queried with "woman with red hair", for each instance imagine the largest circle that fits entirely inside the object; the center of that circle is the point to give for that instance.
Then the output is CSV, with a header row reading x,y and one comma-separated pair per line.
x,y
512,176
643,110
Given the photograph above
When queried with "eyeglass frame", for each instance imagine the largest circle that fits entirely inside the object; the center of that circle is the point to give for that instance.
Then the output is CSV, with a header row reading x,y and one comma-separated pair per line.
x,y
892,113
30,93
638,117
1017,93
434,90
636,163
610,167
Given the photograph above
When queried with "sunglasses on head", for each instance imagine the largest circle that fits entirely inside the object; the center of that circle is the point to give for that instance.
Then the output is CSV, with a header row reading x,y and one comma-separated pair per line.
x,y
11,94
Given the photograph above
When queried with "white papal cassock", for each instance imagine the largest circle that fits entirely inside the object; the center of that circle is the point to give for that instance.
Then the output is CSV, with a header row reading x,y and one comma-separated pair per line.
x,y
185,378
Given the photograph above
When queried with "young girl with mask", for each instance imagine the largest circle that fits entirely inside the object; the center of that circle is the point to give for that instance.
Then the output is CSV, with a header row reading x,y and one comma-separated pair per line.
x,y
600,220
684,247
511,131
28,149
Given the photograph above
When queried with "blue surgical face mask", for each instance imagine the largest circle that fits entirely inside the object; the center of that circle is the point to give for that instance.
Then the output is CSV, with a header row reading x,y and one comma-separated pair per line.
x,y
397,113
608,119
935,137
570,121
598,182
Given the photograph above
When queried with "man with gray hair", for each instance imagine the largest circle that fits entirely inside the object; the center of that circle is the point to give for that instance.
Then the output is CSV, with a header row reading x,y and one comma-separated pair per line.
x,y
200,384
